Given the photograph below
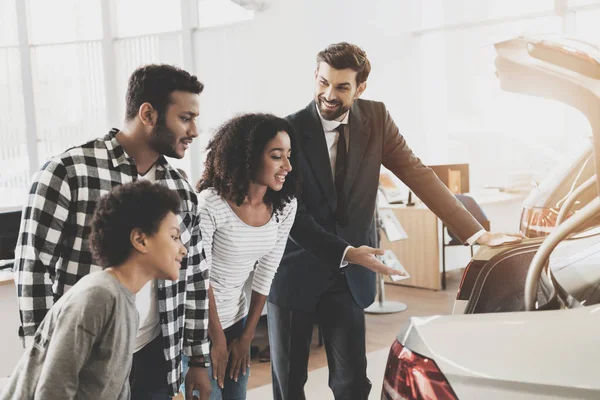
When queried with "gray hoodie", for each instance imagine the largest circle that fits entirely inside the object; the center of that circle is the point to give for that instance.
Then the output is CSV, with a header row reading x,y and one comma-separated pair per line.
x,y
84,346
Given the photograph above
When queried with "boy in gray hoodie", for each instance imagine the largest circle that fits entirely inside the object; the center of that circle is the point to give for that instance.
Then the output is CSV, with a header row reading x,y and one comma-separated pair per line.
x,y
83,348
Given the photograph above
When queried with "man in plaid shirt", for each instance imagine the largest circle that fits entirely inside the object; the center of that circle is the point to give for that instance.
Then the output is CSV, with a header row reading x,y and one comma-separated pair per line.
x,y
52,253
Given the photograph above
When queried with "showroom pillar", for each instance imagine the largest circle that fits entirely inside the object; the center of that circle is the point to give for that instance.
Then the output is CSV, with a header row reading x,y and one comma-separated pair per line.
x,y
27,87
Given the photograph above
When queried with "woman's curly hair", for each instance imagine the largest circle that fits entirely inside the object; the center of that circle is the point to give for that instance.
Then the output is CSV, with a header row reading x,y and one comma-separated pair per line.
x,y
140,204
235,155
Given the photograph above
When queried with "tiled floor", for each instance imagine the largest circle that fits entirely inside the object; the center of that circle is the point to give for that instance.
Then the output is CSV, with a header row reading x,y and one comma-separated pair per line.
x,y
317,387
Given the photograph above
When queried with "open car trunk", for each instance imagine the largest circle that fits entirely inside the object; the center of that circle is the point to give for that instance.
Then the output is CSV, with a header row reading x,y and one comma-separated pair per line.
x,y
568,71
557,68
495,279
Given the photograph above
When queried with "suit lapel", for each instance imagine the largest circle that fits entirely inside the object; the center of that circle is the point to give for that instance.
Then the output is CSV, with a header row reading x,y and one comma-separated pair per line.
x,y
358,139
315,150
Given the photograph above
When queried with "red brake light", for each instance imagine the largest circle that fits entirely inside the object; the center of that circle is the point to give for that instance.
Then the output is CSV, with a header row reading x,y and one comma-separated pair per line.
x,y
410,376
537,221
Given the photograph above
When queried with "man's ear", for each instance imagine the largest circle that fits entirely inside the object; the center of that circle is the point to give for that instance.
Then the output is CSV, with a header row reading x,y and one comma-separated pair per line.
x,y
147,114
138,240
360,89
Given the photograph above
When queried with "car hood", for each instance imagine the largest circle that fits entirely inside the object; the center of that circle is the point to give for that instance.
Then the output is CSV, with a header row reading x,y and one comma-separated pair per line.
x,y
554,67
552,348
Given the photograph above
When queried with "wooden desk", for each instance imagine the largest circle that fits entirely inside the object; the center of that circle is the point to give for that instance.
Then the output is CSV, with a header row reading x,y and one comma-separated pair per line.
x,y
12,349
419,254
6,277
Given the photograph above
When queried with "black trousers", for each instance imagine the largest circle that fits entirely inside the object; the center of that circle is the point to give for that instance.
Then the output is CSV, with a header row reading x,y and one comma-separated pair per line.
x,y
343,325
148,376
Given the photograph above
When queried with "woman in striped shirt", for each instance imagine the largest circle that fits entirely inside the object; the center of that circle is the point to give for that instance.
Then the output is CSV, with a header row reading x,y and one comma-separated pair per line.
x,y
247,208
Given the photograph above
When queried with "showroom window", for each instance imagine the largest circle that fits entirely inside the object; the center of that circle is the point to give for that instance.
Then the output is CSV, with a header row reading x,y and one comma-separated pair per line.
x,y
14,158
67,74
63,80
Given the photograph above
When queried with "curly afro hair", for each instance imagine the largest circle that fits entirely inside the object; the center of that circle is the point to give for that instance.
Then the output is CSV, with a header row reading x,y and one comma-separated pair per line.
x,y
235,155
142,205
154,84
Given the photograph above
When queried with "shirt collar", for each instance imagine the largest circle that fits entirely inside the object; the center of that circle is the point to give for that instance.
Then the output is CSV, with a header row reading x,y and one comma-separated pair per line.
x,y
116,152
331,125
119,155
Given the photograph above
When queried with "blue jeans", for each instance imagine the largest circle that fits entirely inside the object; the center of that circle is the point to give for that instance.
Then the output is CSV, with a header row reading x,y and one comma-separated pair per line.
x,y
232,390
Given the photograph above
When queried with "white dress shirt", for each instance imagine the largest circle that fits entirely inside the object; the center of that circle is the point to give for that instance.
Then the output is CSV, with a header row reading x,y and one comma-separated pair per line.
x,y
331,137
146,300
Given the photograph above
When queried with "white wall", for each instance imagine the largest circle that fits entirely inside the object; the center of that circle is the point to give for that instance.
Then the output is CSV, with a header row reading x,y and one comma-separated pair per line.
x,y
267,64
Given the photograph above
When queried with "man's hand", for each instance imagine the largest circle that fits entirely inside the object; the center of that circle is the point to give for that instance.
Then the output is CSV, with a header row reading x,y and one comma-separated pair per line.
x,y
219,354
197,379
240,357
365,256
498,239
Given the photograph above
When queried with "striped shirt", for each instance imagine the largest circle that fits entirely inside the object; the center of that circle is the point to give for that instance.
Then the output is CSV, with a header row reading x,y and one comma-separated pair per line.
x,y
53,253
233,249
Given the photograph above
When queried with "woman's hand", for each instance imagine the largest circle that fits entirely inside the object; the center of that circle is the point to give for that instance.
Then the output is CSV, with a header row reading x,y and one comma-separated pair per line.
x,y
240,356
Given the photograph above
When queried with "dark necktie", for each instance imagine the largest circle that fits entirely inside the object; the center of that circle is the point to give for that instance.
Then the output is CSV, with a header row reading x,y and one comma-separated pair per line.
x,y
340,176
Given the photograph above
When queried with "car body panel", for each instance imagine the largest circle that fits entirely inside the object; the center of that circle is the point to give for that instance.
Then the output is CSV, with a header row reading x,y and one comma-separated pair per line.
x,y
562,75
531,352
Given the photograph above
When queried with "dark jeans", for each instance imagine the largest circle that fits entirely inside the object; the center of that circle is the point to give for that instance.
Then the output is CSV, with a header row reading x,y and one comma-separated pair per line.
x,y
232,390
343,325
148,377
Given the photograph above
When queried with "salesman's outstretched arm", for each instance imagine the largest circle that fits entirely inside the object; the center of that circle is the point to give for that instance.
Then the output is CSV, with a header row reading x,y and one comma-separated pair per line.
x,y
330,248
400,159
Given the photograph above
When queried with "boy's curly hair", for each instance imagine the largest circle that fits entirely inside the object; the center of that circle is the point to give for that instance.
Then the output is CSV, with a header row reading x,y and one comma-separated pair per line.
x,y
235,155
140,204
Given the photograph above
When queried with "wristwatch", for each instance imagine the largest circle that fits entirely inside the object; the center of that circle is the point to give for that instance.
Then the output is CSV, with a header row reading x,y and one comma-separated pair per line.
x,y
201,364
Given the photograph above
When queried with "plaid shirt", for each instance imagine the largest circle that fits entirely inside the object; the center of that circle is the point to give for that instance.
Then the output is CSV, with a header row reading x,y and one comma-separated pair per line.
x,y
52,253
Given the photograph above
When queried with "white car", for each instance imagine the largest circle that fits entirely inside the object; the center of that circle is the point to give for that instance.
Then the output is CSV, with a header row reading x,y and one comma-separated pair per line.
x,y
526,320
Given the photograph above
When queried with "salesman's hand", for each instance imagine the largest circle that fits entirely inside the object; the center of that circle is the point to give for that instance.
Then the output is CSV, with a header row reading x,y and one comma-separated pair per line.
x,y
365,256
197,379
498,239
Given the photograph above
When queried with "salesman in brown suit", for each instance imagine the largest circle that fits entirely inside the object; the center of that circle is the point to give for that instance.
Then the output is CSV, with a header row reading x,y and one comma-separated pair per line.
x,y
342,143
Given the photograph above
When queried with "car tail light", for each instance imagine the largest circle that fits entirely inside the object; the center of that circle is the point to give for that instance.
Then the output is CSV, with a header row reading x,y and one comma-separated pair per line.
x,y
410,376
538,221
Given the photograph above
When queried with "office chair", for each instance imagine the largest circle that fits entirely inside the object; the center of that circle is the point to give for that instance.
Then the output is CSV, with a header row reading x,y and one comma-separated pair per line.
x,y
471,205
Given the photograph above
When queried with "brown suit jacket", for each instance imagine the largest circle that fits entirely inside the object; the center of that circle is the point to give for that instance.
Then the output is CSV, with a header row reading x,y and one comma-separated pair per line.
x,y
317,242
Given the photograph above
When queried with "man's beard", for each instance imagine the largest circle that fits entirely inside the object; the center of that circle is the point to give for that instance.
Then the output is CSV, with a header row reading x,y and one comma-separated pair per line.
x,y
332,115
164,141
